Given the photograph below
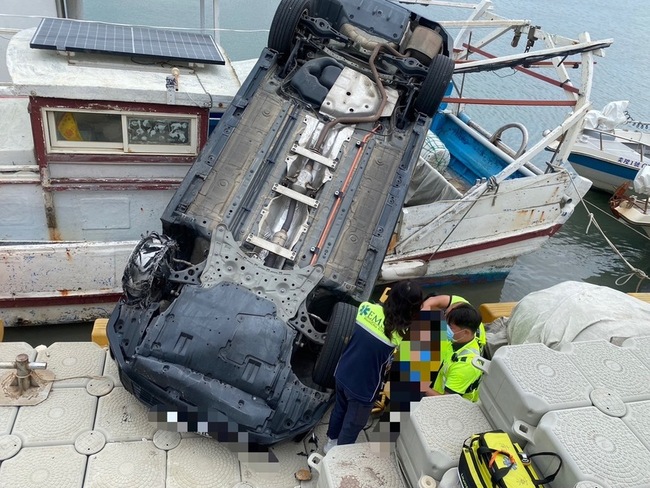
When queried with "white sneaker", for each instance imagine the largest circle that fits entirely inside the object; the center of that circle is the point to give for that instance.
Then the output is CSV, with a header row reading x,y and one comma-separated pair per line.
x,y
329,444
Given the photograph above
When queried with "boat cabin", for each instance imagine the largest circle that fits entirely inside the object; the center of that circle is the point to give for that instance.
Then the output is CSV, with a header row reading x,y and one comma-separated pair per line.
x,y
93,145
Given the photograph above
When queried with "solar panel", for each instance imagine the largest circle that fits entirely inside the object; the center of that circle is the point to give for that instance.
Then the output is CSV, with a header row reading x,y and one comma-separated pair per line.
x,y
82,36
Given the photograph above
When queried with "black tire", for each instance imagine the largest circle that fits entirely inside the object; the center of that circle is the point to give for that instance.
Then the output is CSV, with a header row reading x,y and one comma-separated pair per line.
x,y
284,24
144,280
434,85
339,333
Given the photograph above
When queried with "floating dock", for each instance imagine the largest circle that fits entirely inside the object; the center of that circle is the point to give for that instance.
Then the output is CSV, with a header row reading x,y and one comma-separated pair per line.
x,y
77,426
90,432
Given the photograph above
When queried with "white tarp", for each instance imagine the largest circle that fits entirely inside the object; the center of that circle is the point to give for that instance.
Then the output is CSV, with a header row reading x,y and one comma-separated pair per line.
x,y
610,117
574,311
642,181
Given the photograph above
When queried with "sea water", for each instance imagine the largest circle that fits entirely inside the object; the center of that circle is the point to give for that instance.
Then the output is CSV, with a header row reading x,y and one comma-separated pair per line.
x,y
578,252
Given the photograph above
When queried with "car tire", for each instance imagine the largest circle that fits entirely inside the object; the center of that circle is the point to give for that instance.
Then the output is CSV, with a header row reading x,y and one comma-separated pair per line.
x,y
145,278
284,24
434,85
339,331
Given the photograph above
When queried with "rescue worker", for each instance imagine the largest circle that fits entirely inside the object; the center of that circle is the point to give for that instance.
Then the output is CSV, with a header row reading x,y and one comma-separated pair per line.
x,y
380,328
446,303
457,375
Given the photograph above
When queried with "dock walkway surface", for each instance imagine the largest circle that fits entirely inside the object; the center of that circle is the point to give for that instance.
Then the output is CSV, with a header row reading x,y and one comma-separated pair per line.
x,y
91,432
588,402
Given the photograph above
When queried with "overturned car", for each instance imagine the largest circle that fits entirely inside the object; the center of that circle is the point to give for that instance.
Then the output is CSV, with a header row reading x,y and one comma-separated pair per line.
x,y
242,306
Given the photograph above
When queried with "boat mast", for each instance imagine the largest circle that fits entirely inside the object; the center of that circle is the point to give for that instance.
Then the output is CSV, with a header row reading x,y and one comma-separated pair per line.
x,y
70,9
215,21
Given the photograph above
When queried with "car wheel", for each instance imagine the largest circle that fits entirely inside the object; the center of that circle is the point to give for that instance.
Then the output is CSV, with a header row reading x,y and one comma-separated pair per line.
x,y
284,23
434,85
339,331
147,269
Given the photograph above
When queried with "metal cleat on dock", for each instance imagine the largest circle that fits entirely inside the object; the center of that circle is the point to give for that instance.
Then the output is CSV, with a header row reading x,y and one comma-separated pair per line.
x,y
24,386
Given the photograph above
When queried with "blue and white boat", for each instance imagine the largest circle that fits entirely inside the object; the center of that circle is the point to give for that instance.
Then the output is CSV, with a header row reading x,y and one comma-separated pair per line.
x,y
610,150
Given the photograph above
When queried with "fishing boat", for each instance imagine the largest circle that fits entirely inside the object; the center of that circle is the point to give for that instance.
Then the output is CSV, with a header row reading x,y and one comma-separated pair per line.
x,y
474,212
612,147
78,208
634,207
94,141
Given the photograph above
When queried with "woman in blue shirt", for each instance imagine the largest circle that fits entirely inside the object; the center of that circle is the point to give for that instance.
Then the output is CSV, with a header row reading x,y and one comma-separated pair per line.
x,y
380,328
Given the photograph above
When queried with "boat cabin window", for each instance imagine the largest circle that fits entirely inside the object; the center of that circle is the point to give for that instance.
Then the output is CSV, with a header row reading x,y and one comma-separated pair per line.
x,y
99,132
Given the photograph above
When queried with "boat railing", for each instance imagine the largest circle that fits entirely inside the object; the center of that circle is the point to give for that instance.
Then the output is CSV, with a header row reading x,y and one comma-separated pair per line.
x,y
637,124
641,202
548,64
8,31
11,24
642,146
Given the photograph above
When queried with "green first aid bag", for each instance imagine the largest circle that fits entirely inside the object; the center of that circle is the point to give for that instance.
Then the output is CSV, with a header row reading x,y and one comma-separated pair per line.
x,y
491,459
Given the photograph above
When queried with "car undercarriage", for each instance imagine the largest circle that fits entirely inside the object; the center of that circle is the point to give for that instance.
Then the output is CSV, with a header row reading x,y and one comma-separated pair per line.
x,y
243,304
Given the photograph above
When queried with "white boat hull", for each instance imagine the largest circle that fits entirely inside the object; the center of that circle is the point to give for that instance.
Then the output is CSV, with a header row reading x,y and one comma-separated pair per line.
x,y
61,282
634,208
607,161
80,281
634,216
482,239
